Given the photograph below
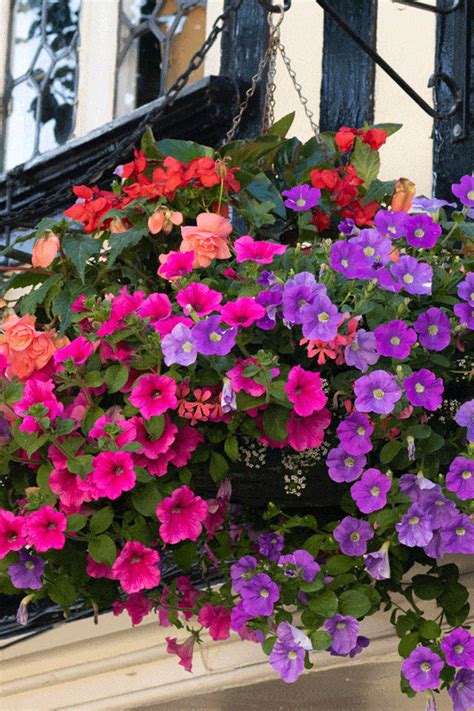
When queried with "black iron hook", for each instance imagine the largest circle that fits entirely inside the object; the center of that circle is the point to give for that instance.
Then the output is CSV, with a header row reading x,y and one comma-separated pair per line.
x,y
268,6
455,92
430,8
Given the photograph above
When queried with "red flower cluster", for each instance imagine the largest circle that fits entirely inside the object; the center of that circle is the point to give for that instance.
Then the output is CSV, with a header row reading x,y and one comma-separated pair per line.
x,y
343,186
92,205
374,137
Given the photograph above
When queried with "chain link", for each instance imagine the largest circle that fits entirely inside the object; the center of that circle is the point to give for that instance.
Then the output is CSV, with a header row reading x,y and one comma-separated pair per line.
x,y
128,143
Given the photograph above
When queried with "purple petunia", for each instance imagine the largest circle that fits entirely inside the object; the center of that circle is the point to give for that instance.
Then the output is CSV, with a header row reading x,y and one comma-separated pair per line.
x,y
375,247
270,545
370,493
422,669
422,231
271,299
464,417
211,338
178,346
458,537
460,478
424,389
415,528
349,260
352,535
433,329
466,288
300,562
298,292
343,466
413,484
242,571
464,190
288,653
394,339
354,433
390,223
462,691
301,197
465,314
266,278
458,648
347,227
320,319
26,573
343,630
439,510
362,352
430,204
377,564
259,595
377,392
414,276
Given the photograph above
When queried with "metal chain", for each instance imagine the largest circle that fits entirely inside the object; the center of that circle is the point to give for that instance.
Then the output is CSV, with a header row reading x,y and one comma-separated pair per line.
x,y
269,108
299,91
128,143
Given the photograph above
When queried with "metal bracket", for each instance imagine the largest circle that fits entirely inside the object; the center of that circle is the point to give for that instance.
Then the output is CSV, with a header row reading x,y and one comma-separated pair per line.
x,y
268,6
458,105
430,8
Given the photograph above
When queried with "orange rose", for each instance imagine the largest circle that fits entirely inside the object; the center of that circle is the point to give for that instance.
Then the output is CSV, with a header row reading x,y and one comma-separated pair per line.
x,y
18,332
21,365
403,196
208,240
41,350
45,249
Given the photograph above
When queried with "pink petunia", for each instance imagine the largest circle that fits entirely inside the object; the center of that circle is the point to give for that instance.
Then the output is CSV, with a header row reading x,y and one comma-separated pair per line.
x,y
184,651
150,447
304,390
12,533
136,567
243,312
78,351
153,395
199,298
165,326
239,381
186,441
181,516
216,619
155,307
37,393
307,432
247,249
112,474
98,570
175,264
45,529
102,427
66,485
137,605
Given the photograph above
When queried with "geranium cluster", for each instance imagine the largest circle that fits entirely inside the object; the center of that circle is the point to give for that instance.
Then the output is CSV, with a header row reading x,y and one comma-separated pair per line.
x,y
216,318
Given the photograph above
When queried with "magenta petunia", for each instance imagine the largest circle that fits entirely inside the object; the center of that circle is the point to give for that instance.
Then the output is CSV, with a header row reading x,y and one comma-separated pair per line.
x,y
370,493
460,478
308,432
112,474
176,264
183,650
394,339
248,249
354,433
424,389
12,532
78,351
199,298
181,515
153,395
377,392
216,619
243,312
38,401
155,307
305,391
45,529
136,567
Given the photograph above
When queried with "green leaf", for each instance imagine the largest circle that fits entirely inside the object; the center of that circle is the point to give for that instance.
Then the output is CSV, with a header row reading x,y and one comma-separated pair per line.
x,y
155,426
428,587
12,392
366,161
123,240
389,451
116,377
275,422
184,151
94,378
247,402
355,603
231,447
325,604
102,549
389,128
218,467
185,554
320,640
454,597
268,645
30,302
277,390
79,248
80,465
101,520
263,189
92,414
29,442
379,189
282,126
407,644
148,144
62,592
430,630
76,522
339,564
146,498
313,544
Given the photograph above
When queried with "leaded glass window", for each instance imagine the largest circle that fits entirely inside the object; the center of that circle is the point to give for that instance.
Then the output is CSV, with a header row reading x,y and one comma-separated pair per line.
x,y
41,80
156,40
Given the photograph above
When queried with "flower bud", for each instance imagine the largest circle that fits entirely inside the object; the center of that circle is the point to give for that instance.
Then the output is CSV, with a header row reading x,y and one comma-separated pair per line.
x,y
45,249
403,195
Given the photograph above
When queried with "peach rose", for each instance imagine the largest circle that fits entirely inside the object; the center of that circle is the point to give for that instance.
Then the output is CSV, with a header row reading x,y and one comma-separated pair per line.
x,y
208,240
45,249
403,196
42,350
18,332
21,365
